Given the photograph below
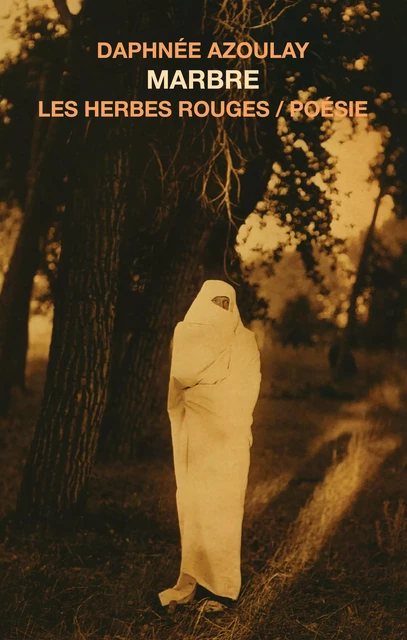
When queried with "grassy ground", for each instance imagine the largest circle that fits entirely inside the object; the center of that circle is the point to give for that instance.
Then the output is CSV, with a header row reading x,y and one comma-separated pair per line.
x,y
325,535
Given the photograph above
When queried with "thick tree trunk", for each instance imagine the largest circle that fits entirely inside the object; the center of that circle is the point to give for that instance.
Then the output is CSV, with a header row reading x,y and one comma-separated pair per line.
x,y
63,448
357,289
138,395
15,305
18,282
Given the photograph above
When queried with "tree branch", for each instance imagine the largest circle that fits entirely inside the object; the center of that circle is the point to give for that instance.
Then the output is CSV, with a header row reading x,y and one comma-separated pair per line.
x,y
64,13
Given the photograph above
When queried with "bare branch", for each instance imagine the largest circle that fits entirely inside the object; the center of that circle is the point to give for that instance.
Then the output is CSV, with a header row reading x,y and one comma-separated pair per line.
x,y
64,13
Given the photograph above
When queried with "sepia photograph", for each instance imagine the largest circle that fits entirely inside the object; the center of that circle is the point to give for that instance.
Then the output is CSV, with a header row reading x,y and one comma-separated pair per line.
x,y
203,320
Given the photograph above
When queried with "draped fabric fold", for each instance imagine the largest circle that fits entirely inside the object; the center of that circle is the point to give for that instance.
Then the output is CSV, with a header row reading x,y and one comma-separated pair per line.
x,y
213,389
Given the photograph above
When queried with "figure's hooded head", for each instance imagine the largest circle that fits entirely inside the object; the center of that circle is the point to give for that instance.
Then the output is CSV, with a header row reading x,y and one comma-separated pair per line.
x,y
204,310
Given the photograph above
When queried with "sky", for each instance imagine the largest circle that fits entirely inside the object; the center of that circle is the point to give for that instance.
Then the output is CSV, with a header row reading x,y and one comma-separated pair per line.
x,y
354,204
352,209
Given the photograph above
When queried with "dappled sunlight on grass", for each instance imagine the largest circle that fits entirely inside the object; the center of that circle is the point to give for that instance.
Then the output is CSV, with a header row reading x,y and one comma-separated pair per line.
x,y
305,367
352,420
331,500
350,474
264,492
313,460
316,523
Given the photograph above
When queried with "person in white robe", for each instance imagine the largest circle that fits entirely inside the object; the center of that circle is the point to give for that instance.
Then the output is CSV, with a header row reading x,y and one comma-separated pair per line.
x,y
214,385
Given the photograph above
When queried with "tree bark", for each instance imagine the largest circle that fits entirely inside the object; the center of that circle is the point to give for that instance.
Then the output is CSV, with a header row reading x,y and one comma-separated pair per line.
x,y
138,395
349,330
17,286
62,452
15,304
137,398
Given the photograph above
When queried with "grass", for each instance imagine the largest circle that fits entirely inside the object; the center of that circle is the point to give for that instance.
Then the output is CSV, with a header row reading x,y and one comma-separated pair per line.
x,y
392,534
324,542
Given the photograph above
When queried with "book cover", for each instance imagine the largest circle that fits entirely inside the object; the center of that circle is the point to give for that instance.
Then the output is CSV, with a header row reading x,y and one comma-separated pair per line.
x,y
234,172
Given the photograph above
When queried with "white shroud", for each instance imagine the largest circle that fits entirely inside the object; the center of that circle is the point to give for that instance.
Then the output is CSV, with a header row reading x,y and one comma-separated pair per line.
x,y
214,385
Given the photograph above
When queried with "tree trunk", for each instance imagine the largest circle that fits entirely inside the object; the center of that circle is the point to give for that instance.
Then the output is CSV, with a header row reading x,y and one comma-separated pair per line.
x,y
139,393
18,282
348,332
62,452
14,308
